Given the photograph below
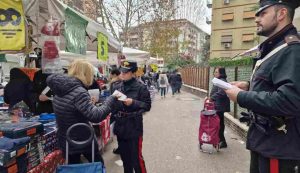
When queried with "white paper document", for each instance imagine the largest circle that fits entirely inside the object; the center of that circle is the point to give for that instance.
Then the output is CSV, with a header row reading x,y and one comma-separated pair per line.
x,y
94,93
46,90
219,83
120,95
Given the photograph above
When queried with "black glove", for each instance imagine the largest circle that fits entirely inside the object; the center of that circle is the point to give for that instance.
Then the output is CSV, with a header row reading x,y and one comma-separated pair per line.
x,y
245,118
118,106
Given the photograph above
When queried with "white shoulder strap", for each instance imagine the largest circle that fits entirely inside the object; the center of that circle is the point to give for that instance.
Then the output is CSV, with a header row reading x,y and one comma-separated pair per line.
x,y
269,55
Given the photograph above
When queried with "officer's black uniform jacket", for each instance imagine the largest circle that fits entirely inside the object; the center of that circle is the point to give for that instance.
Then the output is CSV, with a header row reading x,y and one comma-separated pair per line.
x,y
129,120
275,91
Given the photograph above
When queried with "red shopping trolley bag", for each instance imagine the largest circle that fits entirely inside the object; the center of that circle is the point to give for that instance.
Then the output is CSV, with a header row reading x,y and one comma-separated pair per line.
x,y
209,126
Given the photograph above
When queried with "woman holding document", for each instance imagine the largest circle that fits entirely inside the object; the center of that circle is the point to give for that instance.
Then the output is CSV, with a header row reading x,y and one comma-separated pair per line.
x,y
222,103
72,104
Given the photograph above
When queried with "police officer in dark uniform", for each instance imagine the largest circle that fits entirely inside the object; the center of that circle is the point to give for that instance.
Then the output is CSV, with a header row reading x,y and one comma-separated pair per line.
x,y
129,121
272,96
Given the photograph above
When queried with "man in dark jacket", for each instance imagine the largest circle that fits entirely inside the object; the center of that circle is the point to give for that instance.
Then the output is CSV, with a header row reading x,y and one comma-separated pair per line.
x,y
273,95
19,88
129,121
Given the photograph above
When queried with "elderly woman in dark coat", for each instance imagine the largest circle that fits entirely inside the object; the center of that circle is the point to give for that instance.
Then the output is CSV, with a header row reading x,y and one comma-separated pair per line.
x,y
72,104
222,103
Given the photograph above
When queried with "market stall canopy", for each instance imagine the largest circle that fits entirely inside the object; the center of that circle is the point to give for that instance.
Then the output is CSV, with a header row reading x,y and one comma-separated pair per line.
x,y
91,56
40,10
135,54
131,54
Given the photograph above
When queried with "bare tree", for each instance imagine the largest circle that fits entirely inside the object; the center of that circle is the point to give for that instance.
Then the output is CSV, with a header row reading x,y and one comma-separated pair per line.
x,y
125,14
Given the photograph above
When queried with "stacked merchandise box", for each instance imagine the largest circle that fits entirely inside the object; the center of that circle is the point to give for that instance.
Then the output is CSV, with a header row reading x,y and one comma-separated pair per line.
x,y
13,157
18,166
48,139
26,129
35,152
50,163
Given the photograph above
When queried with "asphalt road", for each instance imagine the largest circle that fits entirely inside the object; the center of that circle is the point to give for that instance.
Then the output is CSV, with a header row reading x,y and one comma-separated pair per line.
x,y
171,141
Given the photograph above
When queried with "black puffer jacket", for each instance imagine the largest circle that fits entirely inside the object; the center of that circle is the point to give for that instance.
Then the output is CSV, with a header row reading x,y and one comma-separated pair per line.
x,y
220,98
72,104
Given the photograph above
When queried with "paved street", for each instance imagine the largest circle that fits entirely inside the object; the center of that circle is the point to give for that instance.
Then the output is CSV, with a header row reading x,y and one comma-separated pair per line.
x,y
171,141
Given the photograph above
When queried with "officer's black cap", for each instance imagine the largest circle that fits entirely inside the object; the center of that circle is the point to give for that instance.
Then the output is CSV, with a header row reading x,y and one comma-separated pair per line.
x,y
264,4
127,66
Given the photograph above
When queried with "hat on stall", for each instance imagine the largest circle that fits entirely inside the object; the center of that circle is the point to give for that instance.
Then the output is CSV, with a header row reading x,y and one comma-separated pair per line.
x,y
127,66
264,4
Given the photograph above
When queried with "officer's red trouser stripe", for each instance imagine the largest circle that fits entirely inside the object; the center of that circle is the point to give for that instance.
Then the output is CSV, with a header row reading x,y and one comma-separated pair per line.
x,y
141,159
274,166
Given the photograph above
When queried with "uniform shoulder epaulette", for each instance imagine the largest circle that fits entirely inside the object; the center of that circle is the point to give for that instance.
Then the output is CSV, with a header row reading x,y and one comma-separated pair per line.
x,y
292,39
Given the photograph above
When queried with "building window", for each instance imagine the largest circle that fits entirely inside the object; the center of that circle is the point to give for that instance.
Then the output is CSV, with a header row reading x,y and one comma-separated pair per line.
x,y
226,2
226,39
227,16
248,37
249,15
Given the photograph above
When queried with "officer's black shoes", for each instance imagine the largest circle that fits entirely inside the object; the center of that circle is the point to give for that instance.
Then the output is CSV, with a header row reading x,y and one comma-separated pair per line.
x,y
223,144
116,151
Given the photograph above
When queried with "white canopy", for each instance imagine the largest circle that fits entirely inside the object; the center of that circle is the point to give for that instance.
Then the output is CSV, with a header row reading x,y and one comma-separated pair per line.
x,y
91,56
131,54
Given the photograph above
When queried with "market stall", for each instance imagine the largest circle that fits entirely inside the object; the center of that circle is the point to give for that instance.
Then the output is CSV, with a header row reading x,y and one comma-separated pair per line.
x,y
56,34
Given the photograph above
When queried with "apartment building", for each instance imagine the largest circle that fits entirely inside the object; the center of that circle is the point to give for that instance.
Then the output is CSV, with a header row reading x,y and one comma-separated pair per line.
x,y
188,43
86,7
233,27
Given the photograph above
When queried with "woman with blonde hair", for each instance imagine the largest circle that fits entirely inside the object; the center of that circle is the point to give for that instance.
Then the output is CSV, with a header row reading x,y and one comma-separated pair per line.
x,y
72,104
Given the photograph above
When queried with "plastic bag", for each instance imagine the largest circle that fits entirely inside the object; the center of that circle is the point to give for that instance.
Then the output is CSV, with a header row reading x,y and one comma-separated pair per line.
x,y
50,42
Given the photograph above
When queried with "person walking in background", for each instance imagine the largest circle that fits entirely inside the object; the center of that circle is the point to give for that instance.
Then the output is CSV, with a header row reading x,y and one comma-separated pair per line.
x,y
272,97
178,82
222,103
173,82
163,84
72,104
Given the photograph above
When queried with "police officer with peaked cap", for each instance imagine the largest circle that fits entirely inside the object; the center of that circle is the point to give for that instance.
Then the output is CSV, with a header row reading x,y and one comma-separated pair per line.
x,y
272,96
129,120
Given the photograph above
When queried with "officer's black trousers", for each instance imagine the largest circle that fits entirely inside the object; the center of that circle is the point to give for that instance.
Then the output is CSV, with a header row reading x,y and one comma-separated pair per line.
x,y
260,164
131,155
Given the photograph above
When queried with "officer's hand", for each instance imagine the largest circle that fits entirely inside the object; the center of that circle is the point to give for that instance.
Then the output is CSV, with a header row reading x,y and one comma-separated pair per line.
x,y
241,84
43,98
128,101
233,92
